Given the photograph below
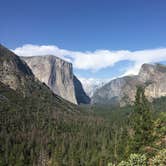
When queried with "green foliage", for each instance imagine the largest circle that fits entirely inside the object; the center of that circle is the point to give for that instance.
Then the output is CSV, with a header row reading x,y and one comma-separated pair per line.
x,y
32,131
36,130
160,104
110,164
160,125
123,163
135,160
141,121
159,159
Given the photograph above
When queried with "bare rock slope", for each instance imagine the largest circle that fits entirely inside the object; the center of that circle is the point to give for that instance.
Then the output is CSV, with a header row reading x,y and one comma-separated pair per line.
x,y
121,91
58,75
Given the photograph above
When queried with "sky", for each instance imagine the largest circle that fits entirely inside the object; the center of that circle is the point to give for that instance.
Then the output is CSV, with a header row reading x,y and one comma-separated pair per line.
x,y
102,38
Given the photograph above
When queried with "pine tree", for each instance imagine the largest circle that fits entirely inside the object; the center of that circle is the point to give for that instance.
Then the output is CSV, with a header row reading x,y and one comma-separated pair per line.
x,y
141,122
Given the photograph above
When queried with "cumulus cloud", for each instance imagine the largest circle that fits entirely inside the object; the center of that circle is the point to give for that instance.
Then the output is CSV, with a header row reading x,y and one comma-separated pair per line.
x,y
99,59
34,50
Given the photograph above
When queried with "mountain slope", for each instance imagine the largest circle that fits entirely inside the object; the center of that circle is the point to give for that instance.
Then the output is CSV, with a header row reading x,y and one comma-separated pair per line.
x,y
54,72
14,72
121,91
17,75
58,75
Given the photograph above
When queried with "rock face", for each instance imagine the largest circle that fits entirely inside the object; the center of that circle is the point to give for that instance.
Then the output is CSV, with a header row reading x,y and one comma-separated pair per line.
x,y
154,76
58,75
17,78
121,91
81,96
54,72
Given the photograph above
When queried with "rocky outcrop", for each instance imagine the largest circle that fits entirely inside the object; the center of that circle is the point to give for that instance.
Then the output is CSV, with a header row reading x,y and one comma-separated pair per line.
x,y
81,96
121,91
13,71
154,78
58,75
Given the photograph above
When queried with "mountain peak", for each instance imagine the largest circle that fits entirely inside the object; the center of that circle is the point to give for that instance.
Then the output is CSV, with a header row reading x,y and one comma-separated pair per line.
x,y
149,71
153,67
56,73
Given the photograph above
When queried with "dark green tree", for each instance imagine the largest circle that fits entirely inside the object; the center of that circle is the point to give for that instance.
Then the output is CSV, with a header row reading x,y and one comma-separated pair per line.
x,y
141,122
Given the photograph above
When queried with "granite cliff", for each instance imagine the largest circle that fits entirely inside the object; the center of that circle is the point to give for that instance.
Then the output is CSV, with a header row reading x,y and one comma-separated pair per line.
x,y
58,75
121,91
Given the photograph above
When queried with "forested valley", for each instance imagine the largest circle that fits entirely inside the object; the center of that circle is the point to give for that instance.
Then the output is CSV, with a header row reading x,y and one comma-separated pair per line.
x,y
33,133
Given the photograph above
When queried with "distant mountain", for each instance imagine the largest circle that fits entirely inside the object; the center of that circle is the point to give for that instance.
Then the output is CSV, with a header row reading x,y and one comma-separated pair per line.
x,y
121,91
17,76
91,85
58,75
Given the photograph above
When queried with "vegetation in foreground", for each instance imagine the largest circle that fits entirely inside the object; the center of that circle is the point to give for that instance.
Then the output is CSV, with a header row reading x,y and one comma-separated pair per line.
x,y
33,133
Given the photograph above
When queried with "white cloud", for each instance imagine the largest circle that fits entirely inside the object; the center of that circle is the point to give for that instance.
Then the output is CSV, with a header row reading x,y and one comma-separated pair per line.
x,y
98,59
33,50
133,70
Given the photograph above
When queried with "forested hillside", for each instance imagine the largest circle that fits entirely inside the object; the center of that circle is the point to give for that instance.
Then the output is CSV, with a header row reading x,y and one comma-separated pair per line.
x,y
32,133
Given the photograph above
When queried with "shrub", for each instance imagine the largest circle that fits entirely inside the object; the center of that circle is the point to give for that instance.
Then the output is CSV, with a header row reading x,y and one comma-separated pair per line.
x,y
159,159
135,160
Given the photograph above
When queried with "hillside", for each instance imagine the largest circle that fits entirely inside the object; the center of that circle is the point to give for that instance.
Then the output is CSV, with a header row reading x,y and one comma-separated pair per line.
x,y
34,131
17,75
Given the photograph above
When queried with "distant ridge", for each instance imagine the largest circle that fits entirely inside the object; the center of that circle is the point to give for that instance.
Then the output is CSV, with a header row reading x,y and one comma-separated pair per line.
x,y
121,91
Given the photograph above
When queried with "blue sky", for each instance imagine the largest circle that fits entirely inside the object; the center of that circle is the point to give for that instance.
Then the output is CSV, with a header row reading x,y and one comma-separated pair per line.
x,y
88,25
